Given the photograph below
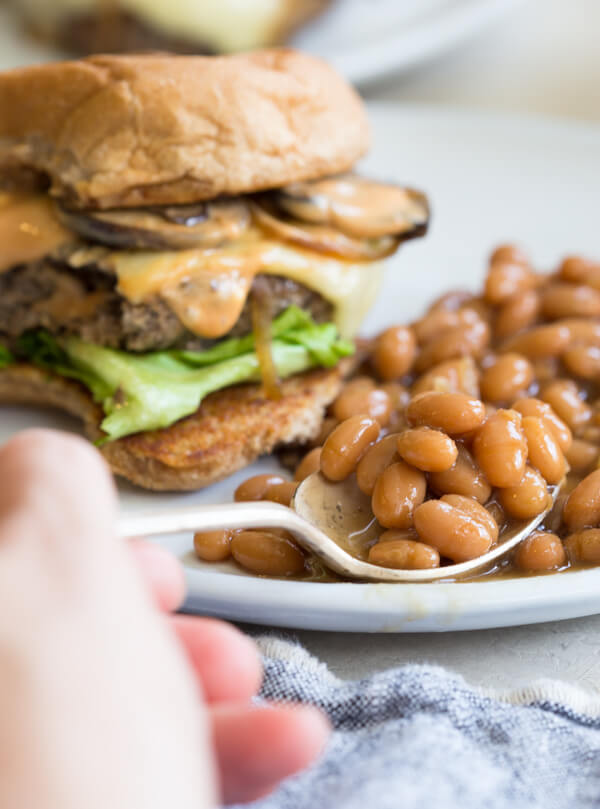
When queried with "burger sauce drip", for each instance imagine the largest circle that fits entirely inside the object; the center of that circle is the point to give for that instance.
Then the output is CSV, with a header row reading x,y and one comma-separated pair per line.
x,y
28,229
261,327
361,208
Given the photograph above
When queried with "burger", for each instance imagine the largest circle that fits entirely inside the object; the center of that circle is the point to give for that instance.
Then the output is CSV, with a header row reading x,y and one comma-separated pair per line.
x,y
186,253
207,26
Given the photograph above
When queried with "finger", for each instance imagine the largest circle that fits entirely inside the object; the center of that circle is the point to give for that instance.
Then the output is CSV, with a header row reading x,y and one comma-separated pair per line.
x,y
257,747
225,661
161,572
57,487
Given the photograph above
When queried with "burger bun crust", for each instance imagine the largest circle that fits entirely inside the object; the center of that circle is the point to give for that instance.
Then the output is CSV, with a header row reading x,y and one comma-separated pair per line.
x,y
125,131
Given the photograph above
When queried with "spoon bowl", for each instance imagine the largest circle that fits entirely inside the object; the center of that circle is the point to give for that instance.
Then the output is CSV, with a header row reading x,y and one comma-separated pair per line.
x,y
333,521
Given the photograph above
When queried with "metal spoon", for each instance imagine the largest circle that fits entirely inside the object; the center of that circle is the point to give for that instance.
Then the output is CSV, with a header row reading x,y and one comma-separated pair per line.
x,y
329,519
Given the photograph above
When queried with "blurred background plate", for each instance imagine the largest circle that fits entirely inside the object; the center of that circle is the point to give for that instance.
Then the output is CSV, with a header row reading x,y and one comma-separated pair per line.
x,y
369,39
364,39
490,179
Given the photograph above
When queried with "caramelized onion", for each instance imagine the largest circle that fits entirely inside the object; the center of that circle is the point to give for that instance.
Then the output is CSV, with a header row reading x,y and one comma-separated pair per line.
x,y
359,207
322,238
261,328
174,227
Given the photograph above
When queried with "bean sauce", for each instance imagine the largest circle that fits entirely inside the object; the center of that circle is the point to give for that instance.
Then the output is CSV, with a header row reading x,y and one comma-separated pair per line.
x,y
458,428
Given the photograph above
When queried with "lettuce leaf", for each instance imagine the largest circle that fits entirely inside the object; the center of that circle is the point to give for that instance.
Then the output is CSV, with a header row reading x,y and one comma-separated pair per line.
x,y
6,358
147,391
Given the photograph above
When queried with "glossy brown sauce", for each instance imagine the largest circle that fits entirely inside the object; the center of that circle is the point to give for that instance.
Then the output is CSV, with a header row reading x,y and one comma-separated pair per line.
x,y
29,230
206,288
360,207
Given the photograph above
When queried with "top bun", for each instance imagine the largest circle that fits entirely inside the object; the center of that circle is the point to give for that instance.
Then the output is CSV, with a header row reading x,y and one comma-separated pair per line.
x,y
115,131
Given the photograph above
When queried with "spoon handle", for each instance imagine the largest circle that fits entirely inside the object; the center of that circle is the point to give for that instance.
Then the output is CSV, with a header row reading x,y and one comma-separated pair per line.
x,y
207,518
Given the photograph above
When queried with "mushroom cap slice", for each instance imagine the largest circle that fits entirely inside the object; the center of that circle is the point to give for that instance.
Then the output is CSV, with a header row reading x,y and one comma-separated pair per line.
x,y
205,224
359,207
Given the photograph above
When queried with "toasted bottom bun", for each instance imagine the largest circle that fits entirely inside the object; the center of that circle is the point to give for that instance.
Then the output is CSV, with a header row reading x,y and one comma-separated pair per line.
x,y
231,429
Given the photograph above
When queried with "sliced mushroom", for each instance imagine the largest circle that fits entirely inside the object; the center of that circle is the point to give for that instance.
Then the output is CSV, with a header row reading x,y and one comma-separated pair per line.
x,y
321,238
359,207
175,227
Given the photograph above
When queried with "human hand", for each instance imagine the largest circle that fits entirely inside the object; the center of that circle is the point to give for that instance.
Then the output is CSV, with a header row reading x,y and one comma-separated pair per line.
x,y
102,696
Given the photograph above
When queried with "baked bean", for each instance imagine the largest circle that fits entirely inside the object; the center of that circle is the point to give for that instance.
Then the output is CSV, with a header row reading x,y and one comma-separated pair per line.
x,y
454,413
394,352
569,300
517,313
374,461
563,397
465,478
451,301
481,308
399,395
452,530
506,377
581,330
453,376
361,398
403,554
540,551
506,279
578,269
460,341
255,488
582,509
437,321
392,534
500,448
362,382
267,554
398,490
590,433
281,493
309,464
528,498
328,426
475,510
581,455
544,453
213,546
541,341
584,546
535,407
545,369
511,253
427,449
583,361
346,445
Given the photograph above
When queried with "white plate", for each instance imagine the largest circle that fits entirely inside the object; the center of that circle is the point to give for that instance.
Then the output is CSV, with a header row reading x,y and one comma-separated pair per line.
x,y
489,179
364,39
368,39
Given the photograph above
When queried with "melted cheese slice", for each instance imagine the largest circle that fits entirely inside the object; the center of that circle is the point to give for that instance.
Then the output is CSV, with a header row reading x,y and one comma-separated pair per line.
x,y
207,289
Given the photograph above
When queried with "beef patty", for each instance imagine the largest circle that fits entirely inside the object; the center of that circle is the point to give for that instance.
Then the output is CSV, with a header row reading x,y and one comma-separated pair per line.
x,y
120,32
70,298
